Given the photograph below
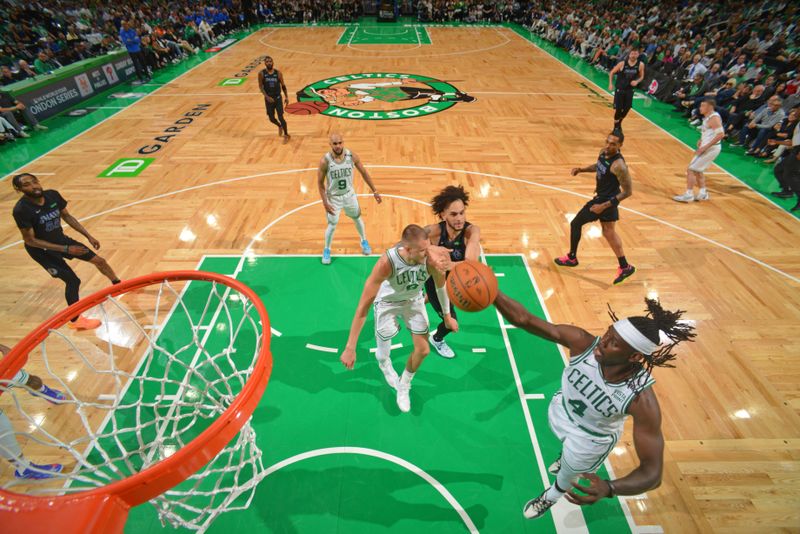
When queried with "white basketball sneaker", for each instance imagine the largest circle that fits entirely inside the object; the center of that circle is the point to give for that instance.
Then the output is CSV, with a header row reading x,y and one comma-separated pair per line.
x,y
442,347
389,373
555,467
537,507
686,197
403,398
701,196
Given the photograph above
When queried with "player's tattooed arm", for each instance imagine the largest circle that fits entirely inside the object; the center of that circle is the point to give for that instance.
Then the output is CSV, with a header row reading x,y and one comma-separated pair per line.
x,y
620,170
576,339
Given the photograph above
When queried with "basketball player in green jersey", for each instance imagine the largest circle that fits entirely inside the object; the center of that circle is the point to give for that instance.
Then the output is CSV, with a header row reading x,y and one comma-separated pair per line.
x,y
461,239
395,285
608,378
335,183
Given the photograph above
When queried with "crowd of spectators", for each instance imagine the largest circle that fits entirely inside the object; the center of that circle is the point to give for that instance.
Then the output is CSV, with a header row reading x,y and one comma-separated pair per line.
x,y
742,54
39,38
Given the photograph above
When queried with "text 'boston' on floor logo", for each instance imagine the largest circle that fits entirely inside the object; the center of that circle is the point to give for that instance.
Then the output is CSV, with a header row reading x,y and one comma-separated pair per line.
x,y
377,96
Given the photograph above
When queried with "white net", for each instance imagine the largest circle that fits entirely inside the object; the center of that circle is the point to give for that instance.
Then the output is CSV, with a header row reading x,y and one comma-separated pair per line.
x,y
167,361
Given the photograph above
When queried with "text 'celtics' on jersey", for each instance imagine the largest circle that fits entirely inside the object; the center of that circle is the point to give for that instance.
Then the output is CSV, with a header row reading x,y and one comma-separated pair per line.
x,y
406,280
340,174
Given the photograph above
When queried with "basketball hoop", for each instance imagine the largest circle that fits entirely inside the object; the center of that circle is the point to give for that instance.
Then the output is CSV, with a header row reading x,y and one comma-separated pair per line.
x,y
158,405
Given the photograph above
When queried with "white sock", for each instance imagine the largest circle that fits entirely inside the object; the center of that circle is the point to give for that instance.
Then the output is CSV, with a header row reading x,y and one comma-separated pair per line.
x,y
362,230
690,192
553,494
384,350
329,234
702,190
406,378
9,447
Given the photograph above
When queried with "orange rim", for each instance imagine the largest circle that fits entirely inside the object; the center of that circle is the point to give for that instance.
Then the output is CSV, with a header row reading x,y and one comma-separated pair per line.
x,y
170,471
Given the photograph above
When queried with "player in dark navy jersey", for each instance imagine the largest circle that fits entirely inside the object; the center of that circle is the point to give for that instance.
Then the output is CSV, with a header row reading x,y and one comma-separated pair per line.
x,y
270,82
461,238
613,186
629,73
38,215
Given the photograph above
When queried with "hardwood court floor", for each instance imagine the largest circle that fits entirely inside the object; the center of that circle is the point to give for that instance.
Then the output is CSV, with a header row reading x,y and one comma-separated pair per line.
x,y
730,406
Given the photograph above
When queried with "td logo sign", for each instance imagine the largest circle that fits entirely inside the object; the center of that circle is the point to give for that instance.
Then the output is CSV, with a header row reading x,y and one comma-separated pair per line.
x,y
126,168
231,81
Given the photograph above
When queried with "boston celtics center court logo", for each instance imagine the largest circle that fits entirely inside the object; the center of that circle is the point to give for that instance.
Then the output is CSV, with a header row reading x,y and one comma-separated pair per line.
x,y
377,96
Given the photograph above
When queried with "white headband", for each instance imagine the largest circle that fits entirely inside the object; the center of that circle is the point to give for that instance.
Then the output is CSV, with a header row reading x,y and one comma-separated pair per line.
x,y
634,338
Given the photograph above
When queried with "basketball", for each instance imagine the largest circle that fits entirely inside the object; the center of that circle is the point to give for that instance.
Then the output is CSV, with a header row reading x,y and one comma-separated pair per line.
x,y
471,286
306,108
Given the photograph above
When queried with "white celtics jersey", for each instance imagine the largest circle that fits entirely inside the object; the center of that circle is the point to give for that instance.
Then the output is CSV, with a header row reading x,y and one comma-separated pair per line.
x,y
592,404
406,281
340,174
706,132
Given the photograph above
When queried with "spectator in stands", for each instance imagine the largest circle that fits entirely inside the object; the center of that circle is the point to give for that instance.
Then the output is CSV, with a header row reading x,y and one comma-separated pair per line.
x,y
755,133
744,111
43,63
11,109
133,44
782,136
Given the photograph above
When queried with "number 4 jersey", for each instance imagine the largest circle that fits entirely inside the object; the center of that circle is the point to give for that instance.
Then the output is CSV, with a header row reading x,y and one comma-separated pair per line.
x,y
593,405
340,174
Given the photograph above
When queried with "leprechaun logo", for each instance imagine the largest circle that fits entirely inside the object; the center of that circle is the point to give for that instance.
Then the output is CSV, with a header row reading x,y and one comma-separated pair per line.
x,y
377,96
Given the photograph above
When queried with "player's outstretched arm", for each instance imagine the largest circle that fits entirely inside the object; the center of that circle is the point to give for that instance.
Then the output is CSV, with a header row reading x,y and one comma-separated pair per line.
x,y
473,238
380,272
577,340
649,443
590,168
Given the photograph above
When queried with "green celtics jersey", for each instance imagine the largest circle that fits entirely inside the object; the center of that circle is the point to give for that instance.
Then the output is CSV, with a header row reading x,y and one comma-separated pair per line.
x,y
592,404
406,281
340,174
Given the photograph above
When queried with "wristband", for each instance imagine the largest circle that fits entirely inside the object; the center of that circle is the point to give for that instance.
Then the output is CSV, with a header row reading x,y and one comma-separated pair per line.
x,y
444,300
614,201
612,491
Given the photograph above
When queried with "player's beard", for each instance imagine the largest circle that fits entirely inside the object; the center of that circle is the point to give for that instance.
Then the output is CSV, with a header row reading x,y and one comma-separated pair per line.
x,y
35,194
338,152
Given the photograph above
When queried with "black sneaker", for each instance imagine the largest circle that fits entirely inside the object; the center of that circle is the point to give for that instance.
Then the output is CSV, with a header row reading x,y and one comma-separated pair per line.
x,y
623,274
782,194
537,507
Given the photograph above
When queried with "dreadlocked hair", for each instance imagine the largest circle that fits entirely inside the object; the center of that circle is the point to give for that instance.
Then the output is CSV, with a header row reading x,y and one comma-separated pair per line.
x,y
651,325
447,196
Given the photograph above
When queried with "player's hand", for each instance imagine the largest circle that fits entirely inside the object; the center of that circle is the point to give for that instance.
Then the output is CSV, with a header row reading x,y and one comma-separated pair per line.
x,y
575,171
610,87
597,208
634,83
20,106
377,196
77,250
596,490
450,323
699,142
4,350
94,242
440,258
329,208
348,358
270,99
700,151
